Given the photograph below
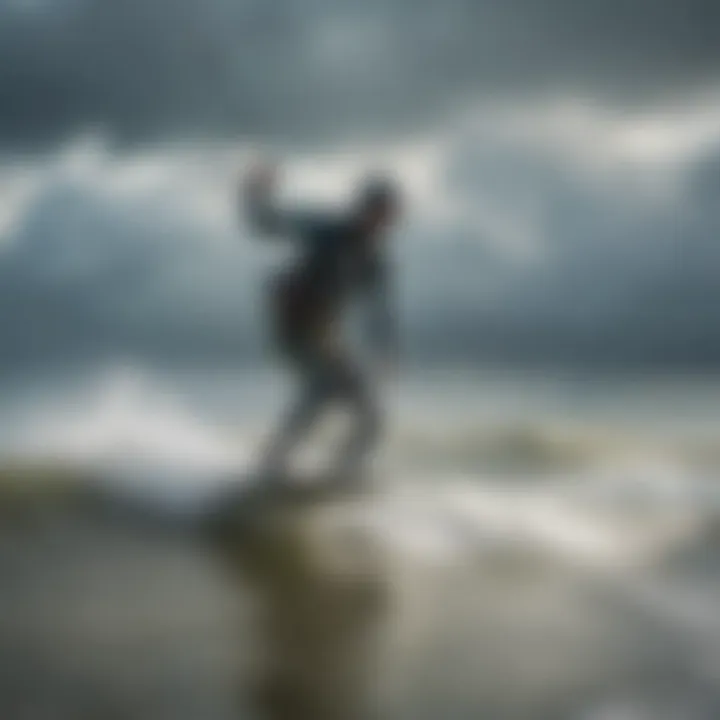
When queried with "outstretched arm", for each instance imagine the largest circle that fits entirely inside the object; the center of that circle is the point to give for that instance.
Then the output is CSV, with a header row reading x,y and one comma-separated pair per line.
x,y
263,214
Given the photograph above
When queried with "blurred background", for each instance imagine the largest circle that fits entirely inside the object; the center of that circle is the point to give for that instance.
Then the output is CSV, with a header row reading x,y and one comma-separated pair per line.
x,y
548,491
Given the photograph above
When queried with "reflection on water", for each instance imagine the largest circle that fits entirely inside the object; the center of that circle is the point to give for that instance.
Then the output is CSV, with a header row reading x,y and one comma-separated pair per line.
x,y
320,588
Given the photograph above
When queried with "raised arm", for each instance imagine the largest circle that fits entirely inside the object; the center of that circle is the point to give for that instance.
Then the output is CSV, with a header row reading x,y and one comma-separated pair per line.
x,y
261,210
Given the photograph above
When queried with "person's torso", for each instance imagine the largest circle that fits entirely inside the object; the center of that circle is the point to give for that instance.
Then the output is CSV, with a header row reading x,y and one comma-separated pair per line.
x,y
335,264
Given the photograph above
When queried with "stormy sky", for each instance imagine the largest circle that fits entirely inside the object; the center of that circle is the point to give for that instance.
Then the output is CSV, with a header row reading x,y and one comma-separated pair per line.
x,y
561,161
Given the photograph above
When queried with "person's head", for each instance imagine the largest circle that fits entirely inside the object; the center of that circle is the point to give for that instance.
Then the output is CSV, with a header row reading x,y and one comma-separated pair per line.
x,y
377,205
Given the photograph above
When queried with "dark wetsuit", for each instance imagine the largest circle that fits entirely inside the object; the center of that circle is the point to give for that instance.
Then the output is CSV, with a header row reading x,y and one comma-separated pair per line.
x,y
334,267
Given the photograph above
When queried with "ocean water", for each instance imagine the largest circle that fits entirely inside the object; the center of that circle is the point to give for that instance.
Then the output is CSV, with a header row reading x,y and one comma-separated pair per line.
x,y
547,544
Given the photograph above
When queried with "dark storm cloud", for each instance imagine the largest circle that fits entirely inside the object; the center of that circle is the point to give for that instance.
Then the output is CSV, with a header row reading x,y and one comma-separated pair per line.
x,y
537,259
327,68
93,274
614,279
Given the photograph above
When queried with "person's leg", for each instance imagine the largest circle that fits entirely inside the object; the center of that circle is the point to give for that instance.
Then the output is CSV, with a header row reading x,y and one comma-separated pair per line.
x,y
315,391
353,387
